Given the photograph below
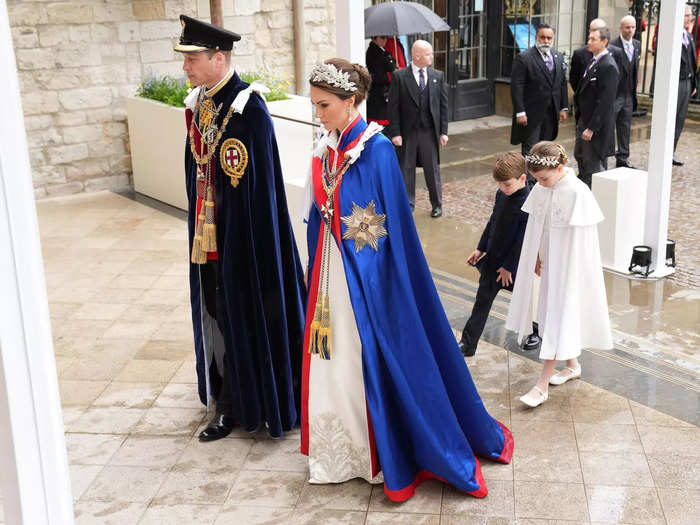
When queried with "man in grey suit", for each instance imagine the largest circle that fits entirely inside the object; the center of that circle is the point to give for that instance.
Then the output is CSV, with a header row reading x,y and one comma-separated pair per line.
x,y
595,99
628,65
418,121
687,84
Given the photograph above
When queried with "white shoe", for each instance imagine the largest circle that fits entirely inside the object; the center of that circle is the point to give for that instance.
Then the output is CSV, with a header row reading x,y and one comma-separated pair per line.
x,y
564,375
535,397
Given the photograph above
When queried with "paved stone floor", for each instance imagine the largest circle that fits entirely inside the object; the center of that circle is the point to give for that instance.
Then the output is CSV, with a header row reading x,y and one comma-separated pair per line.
x,y
468,188
123,348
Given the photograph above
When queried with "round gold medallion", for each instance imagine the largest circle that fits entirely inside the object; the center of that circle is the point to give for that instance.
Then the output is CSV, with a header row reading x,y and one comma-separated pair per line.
x,y
233,159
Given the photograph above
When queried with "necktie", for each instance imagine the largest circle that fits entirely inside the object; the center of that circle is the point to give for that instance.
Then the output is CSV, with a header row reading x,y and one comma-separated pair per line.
x,y
630,50
589,67
550,63
685,39
421,79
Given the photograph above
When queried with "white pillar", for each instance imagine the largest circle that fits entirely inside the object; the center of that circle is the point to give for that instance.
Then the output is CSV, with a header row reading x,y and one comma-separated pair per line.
x,y
663,123
33,463
350,30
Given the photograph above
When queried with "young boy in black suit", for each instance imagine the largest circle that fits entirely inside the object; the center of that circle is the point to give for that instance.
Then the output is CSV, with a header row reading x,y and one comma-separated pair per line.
x,y
498,252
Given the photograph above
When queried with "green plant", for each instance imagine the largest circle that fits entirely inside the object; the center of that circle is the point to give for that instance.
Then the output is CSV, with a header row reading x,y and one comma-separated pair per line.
x,y
172,91
278,86
166,89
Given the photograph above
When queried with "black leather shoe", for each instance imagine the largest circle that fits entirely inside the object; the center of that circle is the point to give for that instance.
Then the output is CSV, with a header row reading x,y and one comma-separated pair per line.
x,y
623,164
466,351
532,342
677,162
219,427
437,212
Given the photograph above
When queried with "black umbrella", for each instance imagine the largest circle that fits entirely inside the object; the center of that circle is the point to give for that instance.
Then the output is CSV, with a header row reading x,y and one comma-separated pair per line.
x,y
401,18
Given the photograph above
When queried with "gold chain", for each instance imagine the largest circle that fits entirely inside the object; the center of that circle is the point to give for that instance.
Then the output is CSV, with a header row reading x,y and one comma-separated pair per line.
x,y
211,149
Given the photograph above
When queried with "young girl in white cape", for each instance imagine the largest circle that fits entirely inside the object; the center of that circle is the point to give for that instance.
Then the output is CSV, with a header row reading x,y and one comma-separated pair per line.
x,y
561,246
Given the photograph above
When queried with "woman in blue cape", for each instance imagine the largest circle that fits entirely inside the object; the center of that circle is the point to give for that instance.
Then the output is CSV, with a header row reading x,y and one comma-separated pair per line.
x,y
386,394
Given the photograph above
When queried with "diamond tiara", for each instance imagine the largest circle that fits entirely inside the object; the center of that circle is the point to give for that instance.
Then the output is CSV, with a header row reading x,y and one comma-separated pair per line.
x,y
542,161
332,76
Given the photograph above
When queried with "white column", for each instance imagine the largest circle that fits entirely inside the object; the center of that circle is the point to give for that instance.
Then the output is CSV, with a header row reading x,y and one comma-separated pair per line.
x,y
350,30
663,122
33,463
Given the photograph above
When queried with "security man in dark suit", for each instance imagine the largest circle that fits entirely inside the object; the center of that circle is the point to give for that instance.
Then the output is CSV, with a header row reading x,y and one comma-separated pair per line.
x,y
582,57
687,84
595,99
628,65
418,121
538,91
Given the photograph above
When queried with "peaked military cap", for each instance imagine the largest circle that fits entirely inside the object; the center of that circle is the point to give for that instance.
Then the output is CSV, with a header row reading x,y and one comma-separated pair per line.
x,y
199,36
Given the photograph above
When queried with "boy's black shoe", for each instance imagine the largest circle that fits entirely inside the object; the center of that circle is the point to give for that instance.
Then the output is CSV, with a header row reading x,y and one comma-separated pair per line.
x,y
219,427
676,162
466,351
623,164
532,342
437,212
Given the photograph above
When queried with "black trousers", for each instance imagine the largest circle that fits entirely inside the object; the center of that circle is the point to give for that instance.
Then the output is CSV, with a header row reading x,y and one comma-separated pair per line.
x,y
419,144
624,105
213,301
534,134
587,158
684,88
485,295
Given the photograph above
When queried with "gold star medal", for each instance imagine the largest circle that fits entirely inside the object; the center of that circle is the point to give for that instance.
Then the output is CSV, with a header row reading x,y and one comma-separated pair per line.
x,y
365,226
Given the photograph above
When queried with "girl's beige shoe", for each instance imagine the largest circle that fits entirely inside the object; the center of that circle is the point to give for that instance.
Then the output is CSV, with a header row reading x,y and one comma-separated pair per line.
x,y
535,397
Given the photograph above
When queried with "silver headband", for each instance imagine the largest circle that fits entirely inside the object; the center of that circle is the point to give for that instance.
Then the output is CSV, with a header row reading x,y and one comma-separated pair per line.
x,y
332,76
542,161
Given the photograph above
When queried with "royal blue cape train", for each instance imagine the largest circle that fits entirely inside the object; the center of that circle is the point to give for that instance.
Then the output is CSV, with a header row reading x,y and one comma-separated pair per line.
x,y
426,416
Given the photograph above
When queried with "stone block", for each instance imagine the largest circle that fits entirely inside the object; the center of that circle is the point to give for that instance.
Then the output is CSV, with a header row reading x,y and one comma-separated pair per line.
x,y
280,19
275,5
106,148
70,13
27,82
263,38
29,59
316,16
129,31
160,29
78,56
109,74
133,72
39,193
243,25
245,46
227,8
283,38
103,33
149,9
43,175
25,37
115,129
60,79
245,7
113,11
39,103
26,14
94,97
86,169
78,134
36,122
68,188
100,115
157,51
112,50
120,164
70,118
53,35
174,8
44,137
112,182
172,68
69,153
203,9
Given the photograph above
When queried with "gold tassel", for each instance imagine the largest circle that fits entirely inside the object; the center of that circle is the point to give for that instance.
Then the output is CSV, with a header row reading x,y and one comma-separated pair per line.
x,y
314,328
209,229
199,256
324,333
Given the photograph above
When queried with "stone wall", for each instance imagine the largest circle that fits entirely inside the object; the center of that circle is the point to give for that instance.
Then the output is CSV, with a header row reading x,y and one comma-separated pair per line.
x,y
78,62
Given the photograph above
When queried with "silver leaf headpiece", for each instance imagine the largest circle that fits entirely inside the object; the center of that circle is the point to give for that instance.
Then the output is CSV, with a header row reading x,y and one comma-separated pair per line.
x,y
552,162
332,76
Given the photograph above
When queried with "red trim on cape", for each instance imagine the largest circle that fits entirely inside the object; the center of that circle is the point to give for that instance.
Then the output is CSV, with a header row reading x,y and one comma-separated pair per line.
x,y
409,490
507,453
373,455
380,122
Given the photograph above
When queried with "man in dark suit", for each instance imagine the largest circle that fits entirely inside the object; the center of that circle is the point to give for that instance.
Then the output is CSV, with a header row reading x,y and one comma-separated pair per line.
x,y
595,99
418,121
628,65
538,91
582,57
687,84
380,65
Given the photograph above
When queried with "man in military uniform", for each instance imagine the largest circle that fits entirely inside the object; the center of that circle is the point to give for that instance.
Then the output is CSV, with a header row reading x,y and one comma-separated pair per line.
x,y
246,283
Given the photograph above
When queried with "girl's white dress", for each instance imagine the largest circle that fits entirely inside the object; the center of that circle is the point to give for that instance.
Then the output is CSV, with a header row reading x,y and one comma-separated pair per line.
x,y
572,307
